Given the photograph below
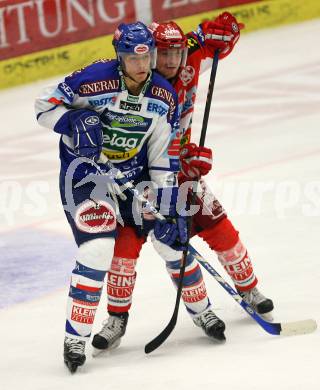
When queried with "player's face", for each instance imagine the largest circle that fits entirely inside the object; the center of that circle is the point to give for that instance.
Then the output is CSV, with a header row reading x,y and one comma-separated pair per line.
x,y
137,66
168,62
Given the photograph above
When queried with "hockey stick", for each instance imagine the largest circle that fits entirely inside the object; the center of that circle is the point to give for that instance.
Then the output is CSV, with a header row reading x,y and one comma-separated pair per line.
x,y
157,341
274,328
284,328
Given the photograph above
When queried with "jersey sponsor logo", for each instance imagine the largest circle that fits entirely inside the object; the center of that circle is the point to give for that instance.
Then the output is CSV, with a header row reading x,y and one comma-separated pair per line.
x,y
117,140
119,155
92,120
66,90
130,106
165,95
192,42
125,121
103,101
98,86
187,75
157,107
185,139
95,217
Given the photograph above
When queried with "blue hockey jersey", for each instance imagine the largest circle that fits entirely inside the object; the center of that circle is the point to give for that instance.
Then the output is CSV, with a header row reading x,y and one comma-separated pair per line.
x,y
139,132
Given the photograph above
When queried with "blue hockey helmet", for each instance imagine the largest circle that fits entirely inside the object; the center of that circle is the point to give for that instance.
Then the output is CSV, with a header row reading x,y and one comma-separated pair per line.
x,y
134,38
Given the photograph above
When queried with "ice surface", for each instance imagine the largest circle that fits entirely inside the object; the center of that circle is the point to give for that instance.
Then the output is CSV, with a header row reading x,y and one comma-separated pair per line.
x,y
264,130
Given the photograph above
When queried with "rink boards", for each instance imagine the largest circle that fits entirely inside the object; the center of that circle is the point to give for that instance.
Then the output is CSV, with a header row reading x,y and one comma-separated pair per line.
x,y
64,59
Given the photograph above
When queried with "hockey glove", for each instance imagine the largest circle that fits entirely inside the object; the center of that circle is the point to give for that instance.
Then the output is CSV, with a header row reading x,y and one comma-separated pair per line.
x,y
87,133
195,160
172,232
222,33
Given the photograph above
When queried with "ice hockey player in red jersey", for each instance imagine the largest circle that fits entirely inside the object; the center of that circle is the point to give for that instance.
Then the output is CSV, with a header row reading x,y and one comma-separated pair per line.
x,y
180,59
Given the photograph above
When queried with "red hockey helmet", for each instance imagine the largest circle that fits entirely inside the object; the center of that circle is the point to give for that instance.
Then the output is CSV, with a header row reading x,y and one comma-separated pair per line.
x,y
168,35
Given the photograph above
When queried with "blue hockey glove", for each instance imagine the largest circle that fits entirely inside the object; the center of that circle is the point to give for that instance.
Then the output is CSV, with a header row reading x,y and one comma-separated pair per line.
x,y
172,232
87,133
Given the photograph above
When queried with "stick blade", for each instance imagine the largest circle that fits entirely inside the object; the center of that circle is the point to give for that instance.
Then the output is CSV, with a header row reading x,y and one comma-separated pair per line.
x,y
298,327
162,337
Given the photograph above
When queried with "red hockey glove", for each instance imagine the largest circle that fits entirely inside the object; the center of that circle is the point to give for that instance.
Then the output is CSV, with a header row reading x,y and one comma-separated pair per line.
x,y
222,33
195,160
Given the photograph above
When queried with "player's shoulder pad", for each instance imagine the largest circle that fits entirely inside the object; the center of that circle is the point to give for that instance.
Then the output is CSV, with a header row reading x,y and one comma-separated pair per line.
x,y
101,71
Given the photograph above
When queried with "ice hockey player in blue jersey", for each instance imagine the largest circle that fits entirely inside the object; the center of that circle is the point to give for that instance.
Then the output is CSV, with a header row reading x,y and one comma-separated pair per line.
x,y
120,108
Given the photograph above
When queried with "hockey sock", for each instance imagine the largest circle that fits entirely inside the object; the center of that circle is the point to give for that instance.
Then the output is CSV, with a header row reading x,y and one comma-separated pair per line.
x,y
83,300
232,254
122,275
120,284
194,293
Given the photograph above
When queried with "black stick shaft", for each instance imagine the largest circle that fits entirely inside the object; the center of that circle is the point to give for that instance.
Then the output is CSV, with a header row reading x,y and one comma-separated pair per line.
x,y
209,98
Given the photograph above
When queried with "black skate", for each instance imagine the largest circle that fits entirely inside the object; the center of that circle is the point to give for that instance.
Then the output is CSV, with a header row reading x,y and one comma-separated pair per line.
x,y
110,335
211,325
74,353
262,305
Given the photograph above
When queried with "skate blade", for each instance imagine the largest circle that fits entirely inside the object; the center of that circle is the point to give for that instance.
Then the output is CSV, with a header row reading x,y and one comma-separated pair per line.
x,y
72,367
96,352
218,341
